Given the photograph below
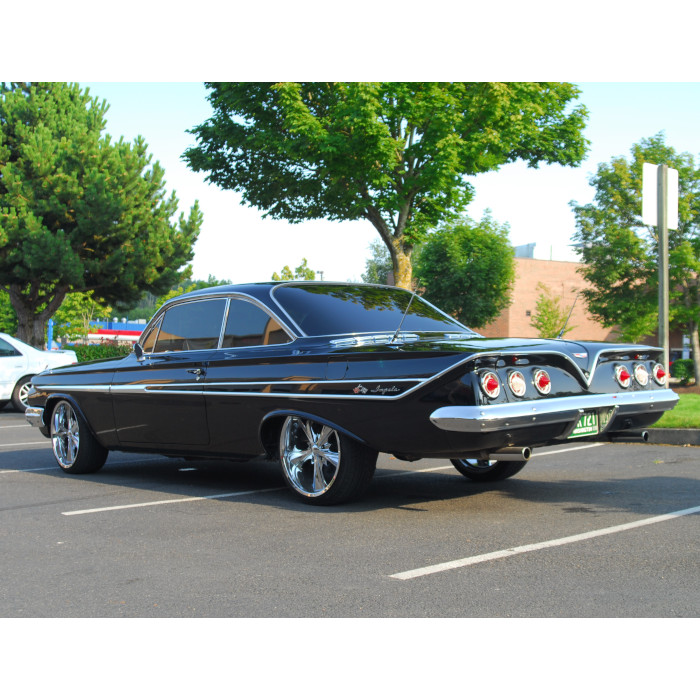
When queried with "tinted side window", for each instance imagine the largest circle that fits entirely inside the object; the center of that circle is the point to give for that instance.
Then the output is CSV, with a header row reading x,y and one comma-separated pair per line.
x,y
6,350
248,324
191,326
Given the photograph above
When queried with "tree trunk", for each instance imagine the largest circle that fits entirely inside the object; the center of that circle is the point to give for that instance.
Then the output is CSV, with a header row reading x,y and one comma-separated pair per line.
x,y
31,323
400,251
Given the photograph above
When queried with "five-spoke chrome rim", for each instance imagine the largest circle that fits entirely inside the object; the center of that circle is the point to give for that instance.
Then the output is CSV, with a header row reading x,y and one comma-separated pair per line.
x,y
65,434
310,455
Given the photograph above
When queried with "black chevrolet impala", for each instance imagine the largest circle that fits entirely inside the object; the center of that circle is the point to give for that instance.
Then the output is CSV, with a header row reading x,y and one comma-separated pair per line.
x,y
323,376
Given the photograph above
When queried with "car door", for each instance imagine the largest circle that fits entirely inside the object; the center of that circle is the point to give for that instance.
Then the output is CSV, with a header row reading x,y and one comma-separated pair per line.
x,y
158,399
255,355
13,365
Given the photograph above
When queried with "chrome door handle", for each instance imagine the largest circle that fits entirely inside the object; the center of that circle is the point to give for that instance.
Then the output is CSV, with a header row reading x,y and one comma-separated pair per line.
x,y
198,372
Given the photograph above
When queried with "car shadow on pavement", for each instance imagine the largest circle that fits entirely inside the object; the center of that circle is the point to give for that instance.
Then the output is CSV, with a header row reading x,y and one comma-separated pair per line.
x,y
259,481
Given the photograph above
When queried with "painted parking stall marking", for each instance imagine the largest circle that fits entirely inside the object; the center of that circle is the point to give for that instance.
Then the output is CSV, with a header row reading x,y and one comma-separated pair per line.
x,y
503,553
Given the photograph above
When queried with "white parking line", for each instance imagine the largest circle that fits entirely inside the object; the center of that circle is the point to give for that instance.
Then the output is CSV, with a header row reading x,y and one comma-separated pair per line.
x,y
503,553
173,500
22,444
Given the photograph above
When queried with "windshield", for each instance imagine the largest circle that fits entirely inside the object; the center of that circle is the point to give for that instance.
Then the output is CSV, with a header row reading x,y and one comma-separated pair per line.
x,y
338,309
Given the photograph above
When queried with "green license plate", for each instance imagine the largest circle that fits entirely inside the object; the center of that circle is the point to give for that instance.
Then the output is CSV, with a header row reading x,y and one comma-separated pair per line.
x,y
587,425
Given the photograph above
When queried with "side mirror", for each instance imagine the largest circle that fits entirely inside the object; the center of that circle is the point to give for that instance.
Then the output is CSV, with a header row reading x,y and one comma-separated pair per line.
x,y
138,351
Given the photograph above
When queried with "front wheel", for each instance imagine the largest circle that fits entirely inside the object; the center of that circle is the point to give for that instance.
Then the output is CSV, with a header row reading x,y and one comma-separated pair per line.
x,y
486,469
74,447
321,465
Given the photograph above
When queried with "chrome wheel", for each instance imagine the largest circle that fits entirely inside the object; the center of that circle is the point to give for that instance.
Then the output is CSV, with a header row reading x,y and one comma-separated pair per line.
x,y
65,435
310,455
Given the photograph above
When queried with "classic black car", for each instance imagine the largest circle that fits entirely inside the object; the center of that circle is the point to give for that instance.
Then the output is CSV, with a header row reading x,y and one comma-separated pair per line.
x,y
323,376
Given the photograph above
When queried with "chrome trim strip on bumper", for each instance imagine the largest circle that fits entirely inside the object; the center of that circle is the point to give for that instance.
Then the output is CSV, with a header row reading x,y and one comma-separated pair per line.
x,y
525,414
35,417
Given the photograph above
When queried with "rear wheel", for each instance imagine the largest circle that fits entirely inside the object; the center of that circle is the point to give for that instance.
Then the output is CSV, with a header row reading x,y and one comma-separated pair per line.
x,y
321,465
486,469
74,447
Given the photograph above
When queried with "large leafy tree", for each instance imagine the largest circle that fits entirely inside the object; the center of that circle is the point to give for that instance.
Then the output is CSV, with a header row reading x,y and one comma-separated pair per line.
x,y
467,268
80,212
394,154
621,254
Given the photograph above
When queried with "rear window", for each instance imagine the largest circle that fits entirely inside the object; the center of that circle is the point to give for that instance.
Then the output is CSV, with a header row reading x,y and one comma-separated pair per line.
x,y
327,309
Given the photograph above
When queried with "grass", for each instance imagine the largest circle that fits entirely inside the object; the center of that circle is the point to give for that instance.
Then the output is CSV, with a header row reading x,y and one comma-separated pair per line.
x,y
686,414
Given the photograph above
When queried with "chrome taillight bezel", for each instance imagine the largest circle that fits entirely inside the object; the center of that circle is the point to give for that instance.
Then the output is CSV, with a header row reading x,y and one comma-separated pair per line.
x,y
537,379
517,383
641,374
494,392
624,382
655,371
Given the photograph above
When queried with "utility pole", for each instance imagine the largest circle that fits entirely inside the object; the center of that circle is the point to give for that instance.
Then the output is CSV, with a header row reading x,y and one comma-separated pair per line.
x,y
660,209
662,213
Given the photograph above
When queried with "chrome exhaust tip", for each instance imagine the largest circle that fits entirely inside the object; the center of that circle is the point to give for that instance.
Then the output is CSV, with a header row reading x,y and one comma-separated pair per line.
x,y
629,436
512,454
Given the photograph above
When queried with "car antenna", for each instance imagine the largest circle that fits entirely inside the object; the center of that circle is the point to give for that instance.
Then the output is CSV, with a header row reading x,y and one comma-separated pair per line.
x,y
566,323
403,318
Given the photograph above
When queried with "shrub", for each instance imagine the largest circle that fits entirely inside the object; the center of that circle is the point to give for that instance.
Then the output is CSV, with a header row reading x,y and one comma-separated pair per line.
x,y
683,370
100,352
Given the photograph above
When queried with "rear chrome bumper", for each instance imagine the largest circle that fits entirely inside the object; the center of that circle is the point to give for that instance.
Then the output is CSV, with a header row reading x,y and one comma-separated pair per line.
x,y
526,414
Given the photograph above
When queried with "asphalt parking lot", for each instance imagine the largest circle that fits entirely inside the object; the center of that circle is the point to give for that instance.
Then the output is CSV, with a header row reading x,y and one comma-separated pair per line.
x,y
589,530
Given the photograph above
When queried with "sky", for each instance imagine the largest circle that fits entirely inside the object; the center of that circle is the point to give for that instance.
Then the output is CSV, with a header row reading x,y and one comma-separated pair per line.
x,y
237,243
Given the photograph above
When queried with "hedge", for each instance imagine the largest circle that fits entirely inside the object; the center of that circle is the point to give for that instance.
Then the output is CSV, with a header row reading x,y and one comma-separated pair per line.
x,y
99,352
683,370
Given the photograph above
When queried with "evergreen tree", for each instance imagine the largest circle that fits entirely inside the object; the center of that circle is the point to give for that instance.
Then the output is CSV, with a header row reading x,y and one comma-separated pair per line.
x,y
80,212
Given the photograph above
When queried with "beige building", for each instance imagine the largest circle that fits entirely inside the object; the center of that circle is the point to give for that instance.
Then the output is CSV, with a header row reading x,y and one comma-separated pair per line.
x,y
564,280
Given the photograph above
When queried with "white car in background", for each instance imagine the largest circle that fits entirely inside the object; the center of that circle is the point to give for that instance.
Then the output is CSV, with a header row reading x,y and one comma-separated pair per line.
x,y
19,362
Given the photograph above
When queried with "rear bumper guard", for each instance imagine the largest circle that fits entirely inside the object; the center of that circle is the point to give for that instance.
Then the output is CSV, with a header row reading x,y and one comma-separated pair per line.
x,y
526,414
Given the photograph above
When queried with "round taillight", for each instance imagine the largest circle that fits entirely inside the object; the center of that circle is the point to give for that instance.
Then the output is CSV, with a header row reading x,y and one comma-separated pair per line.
x,y
490,385
543,383
641,374
623,376
516,382
659,374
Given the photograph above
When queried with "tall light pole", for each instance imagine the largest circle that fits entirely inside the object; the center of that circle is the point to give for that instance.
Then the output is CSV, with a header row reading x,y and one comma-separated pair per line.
x,y
660,209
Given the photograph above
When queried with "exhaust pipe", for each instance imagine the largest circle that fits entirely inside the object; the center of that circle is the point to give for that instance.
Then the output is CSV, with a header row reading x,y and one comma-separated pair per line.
x,y
511,454
629,436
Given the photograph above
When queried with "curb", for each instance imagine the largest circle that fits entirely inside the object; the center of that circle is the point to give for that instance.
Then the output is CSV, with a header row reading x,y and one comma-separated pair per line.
x,y
674,436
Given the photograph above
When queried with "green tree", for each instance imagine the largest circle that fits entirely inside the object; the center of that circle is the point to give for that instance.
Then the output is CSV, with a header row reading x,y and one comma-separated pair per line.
x,y
72,320
467,269
302,272
377,267
393,154
8,317
550,318
80,212
621,254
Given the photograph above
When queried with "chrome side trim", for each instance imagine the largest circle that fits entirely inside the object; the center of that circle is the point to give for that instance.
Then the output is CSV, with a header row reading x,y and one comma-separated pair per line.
x,y
525,414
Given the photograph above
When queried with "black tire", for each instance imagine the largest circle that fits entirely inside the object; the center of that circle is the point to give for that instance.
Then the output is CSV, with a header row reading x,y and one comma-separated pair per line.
x,y
19,393
74,447
321,465
486,470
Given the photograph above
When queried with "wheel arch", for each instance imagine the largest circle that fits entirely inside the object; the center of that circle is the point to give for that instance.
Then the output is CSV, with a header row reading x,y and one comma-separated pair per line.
x,y
271,426
50,404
